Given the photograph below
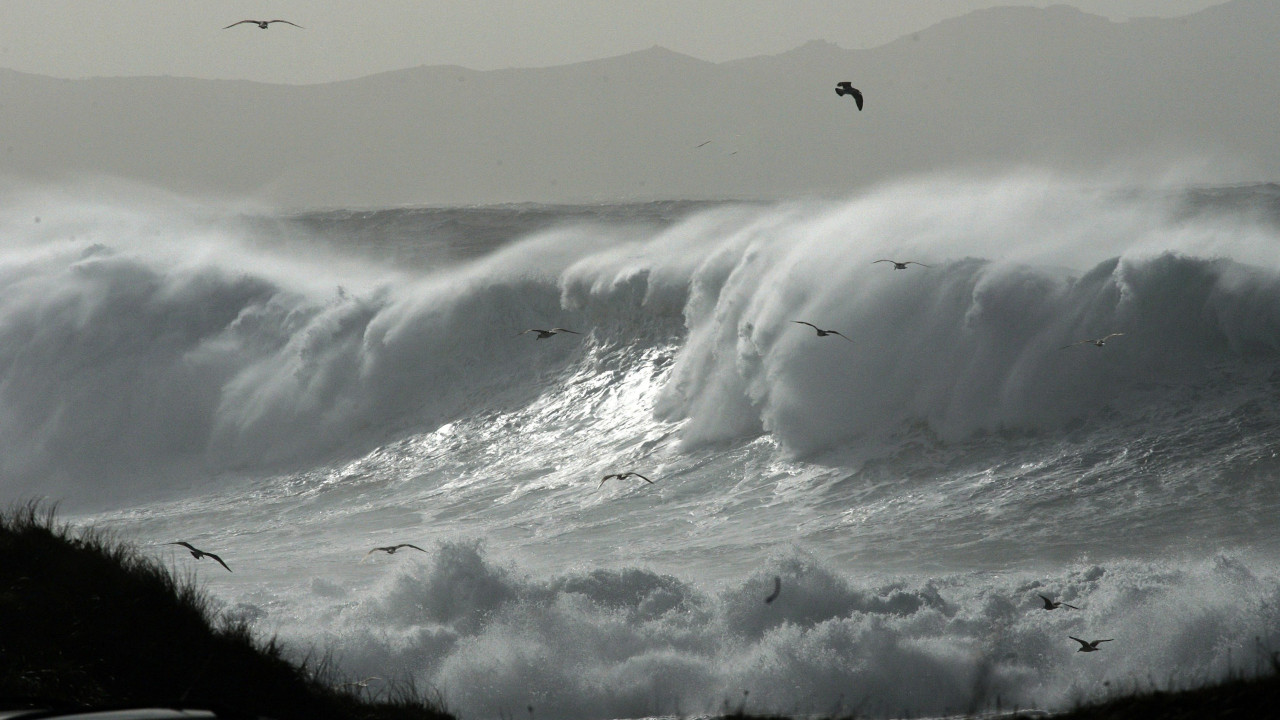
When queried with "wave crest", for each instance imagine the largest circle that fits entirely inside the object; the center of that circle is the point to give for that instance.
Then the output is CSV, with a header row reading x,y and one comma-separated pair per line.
x,y
174,345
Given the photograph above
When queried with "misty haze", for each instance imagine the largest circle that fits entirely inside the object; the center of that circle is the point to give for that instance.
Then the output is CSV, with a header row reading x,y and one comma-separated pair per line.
x,y
1049,87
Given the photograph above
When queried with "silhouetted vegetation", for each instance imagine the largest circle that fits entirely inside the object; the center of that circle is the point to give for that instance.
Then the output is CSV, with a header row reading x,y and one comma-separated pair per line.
x,y
1238,697
85,620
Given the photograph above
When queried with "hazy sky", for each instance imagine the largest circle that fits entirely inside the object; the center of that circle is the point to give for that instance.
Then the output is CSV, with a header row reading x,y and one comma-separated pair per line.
x,y
346,39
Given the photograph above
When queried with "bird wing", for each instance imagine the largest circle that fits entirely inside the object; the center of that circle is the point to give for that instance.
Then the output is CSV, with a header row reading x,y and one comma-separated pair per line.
x,y
815,327
575,332
913,262
186,545
1073,607
1078,342
1095,642
895,262
834,332
410,545
695,147
286,22
1082,643
1112,335
526,332
857,98
255,22
606,477
642,477
1047,602
215,557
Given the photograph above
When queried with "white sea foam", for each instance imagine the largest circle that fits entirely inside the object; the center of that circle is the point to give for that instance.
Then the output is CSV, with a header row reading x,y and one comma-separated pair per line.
x,y
134,340
633,642
240,382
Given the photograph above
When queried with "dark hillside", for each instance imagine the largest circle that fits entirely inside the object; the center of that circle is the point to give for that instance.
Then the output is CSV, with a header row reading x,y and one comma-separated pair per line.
x,y
88,621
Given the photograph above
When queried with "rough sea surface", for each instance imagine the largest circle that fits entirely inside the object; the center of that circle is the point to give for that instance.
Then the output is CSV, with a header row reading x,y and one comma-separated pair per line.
x,y
290,391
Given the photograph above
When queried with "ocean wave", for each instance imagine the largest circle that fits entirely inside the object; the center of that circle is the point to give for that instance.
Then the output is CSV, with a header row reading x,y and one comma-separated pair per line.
x,y
143,343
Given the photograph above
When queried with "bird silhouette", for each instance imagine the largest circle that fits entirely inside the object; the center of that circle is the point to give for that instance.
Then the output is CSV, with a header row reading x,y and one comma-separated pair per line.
x,y
361,683
263,23
847,88
544,334
821,332
1052,605
1089,646
901,265
1095,341
777,590
623,476
391,549
198,553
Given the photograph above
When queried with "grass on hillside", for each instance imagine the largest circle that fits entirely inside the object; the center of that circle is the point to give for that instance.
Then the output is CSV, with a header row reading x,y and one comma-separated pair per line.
x,y
1253,698
88,621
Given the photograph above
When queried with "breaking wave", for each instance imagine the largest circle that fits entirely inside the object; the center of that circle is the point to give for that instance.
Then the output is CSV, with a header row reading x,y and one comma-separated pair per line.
x,y
136,341
291,391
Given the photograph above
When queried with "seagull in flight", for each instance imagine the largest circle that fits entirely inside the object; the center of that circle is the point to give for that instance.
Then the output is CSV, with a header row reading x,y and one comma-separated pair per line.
x,y
1089,646
197,553
902,265
1052,605
391,549
847,88
777,590
544,334
363,683
624,476
263,23
1096,341
695,147
821,332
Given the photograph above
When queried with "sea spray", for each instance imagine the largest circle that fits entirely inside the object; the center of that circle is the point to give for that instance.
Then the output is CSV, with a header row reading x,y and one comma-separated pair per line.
x,y
251,385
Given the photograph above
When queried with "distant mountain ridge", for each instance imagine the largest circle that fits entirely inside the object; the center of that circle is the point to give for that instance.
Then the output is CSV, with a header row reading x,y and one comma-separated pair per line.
x,y
1052,87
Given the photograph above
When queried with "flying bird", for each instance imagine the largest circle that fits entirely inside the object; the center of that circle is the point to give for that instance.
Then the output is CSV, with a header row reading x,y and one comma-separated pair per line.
x,y
847,88
1096,341
544,334
821,332
901,265
362,683
391,549
777,590
624,476
1052,605
695,147
197,553
1089,646
263,23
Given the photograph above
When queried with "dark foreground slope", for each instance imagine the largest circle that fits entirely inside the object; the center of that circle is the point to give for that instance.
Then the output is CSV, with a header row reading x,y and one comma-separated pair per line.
x,y
88,621
1243,698
1251,698
1239,698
